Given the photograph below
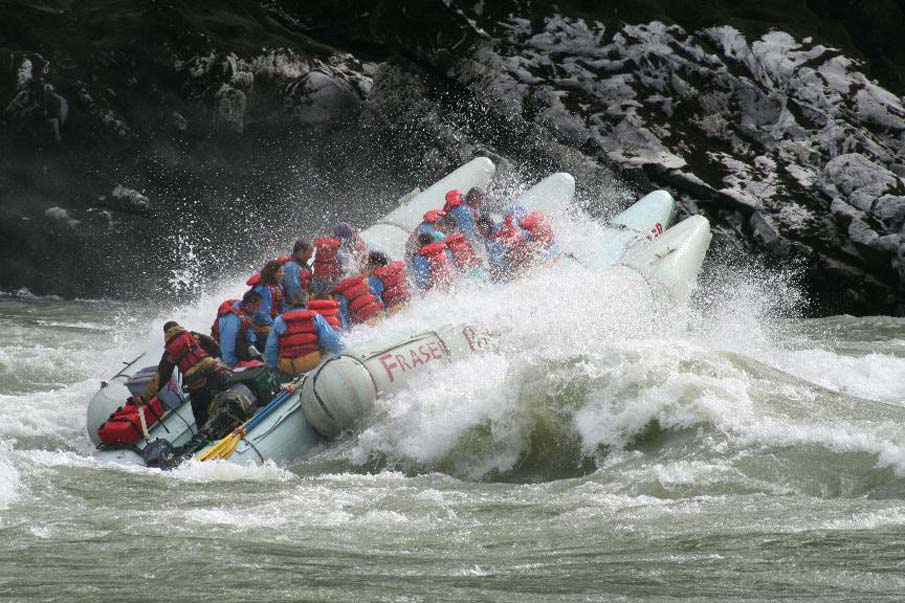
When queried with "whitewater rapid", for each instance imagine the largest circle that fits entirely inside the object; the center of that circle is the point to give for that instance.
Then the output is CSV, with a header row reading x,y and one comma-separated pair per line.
x,y
584,364
608,445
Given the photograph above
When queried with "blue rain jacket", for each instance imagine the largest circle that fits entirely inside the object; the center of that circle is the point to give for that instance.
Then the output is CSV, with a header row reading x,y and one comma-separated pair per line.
x,y
229,331
262,317
292,279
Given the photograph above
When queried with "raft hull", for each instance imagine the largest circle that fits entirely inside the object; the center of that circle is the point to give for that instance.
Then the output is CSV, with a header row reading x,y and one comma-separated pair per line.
x,y
644,220
391,232
552,195
671,262
342,391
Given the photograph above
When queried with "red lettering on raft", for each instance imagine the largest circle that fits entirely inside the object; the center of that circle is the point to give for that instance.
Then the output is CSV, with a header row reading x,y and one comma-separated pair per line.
x,y
410,358
388,366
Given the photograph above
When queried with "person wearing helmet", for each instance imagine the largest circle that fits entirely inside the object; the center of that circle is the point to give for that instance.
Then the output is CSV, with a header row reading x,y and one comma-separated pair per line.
x,y
463,211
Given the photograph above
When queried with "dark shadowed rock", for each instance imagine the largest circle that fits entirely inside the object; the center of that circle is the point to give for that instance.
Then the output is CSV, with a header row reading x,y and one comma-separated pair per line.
x,y
768,122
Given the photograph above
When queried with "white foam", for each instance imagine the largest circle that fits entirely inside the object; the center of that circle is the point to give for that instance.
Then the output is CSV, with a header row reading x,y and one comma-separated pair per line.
x,y
874,376
9,478
222,471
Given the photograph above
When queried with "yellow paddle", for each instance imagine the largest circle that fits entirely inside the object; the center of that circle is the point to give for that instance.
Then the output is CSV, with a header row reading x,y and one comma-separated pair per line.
x,y
224,449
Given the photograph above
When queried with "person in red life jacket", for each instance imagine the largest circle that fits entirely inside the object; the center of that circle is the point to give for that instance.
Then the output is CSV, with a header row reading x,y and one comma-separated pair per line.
x,y
270,288
540,235
353,253
388,282
326,265
463,211
513,239
297,274
234,330
301,336
195,355
435,223
496,253
464,257
357,303
433,264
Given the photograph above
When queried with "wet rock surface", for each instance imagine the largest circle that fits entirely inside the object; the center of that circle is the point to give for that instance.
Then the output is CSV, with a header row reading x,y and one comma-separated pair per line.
x,y
192,127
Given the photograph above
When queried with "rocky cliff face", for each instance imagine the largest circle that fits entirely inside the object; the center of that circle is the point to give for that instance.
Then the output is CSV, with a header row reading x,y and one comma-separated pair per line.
x,y
169,136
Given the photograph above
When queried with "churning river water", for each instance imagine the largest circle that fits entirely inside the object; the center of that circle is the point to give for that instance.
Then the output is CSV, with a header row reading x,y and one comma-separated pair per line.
x,y
608,450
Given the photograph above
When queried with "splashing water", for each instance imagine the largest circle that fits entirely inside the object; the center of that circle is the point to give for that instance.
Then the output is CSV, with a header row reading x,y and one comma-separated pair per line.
x,y
604,428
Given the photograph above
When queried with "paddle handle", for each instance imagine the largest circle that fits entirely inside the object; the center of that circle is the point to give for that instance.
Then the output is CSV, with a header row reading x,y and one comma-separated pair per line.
x,y
144,423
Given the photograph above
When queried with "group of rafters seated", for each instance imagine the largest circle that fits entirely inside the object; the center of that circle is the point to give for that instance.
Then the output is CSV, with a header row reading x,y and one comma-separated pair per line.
x,y
443,247
297,310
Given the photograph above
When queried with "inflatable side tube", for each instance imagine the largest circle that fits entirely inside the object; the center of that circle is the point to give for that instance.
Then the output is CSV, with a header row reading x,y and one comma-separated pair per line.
x,y
392,231
644,215
122,456
108,398
177,426
646,219
552,195
283,437
344,388
672,261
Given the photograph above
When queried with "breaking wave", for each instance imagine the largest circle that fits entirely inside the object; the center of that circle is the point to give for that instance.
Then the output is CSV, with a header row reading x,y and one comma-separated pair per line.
x,y
591,372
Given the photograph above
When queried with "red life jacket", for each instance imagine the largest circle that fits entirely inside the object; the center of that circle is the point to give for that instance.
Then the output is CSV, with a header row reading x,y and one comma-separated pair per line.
x,y
326,265
453,199
256,278
362,303
396,288
305,277
440,269
432,217
458,200
124,425
300,337
329,309
514,242
185,350
462,252
225,308
538,228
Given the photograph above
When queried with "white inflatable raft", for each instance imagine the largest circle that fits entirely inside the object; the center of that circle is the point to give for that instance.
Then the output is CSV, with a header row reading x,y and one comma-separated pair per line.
x,y
343,389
